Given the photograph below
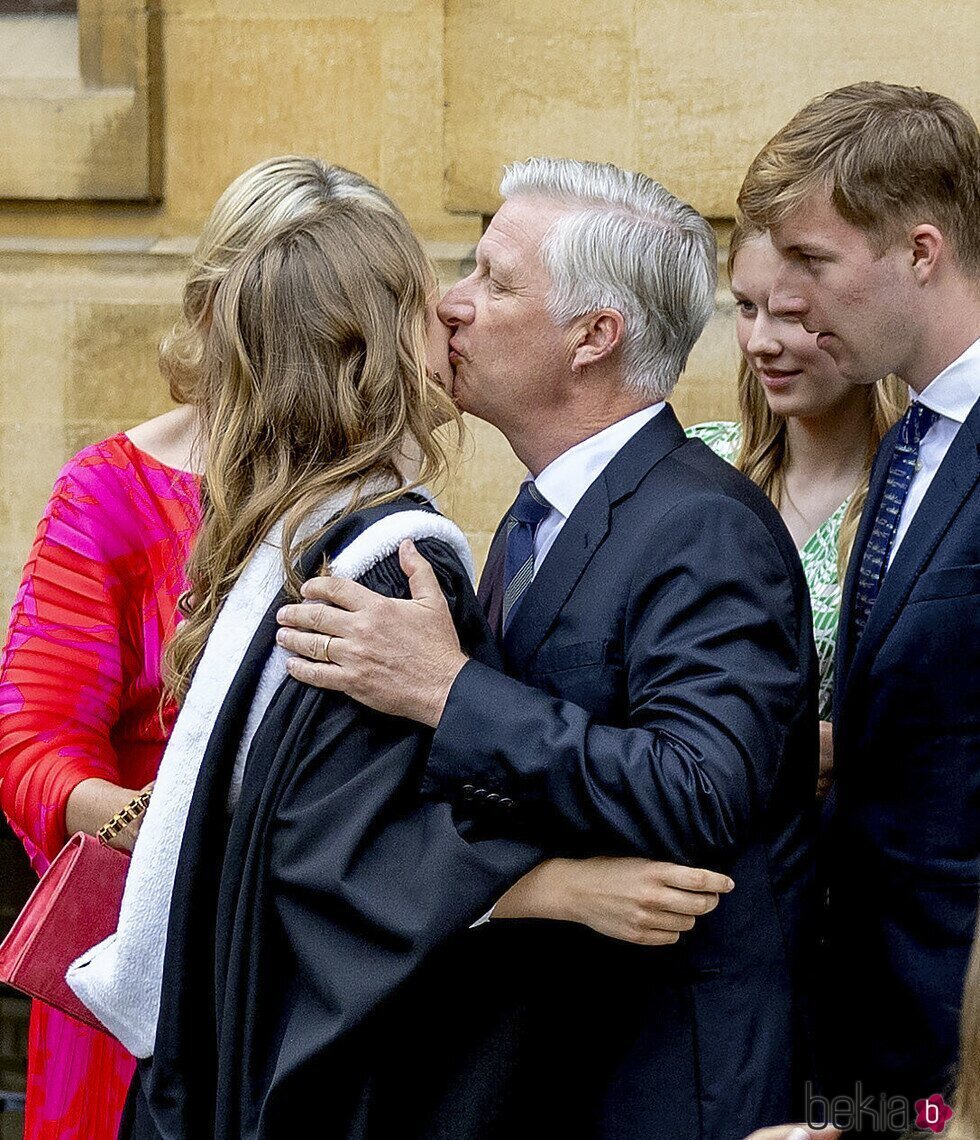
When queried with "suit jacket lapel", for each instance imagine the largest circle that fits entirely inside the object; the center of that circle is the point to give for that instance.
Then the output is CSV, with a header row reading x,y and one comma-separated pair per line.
x,y
583,534
956,477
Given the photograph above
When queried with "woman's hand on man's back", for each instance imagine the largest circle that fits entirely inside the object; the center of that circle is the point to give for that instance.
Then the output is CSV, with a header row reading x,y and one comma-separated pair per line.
x,y
632,899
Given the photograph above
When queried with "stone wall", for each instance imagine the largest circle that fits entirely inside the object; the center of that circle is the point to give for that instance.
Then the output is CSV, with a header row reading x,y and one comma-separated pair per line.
x,y
428,98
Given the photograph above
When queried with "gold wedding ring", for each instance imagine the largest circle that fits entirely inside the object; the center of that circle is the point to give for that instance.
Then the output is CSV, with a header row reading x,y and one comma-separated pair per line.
x,y
326,649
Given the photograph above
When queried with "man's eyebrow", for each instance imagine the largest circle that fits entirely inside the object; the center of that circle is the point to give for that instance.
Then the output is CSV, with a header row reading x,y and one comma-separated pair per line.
x,y
806,248
502,268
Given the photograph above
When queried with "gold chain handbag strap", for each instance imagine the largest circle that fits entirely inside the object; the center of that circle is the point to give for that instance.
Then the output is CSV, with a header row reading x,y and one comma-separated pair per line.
x,y
125,816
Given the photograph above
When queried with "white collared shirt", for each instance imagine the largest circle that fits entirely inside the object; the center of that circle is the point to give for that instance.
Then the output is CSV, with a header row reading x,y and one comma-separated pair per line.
x,y
952,394
566,479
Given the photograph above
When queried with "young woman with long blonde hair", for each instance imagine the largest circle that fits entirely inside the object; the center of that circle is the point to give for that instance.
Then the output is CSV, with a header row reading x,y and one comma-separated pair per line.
x,y
289,880
81,724
807,437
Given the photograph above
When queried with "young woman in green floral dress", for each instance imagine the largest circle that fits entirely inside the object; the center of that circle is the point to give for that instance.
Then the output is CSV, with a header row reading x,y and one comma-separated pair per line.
x,y
807,437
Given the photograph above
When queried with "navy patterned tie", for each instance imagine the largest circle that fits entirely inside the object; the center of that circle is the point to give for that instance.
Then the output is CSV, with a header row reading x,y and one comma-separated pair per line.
x,y
915,423
529,508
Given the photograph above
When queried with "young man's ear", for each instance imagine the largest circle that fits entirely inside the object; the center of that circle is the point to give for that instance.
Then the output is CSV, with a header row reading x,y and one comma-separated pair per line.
x,y
927,243
596,337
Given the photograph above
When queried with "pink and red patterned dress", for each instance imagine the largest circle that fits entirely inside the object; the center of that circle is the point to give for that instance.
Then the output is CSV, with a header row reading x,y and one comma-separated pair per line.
x,y
80,689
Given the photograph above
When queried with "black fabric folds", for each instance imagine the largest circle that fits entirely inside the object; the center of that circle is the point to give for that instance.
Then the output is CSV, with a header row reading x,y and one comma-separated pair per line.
x,y
322,933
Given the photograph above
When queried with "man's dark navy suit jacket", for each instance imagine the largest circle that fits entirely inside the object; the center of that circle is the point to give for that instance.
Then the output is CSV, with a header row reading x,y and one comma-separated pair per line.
x,y
904,832
661,702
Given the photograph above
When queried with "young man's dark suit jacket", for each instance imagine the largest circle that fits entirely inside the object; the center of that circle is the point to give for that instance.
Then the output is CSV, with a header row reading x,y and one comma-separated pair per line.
x,y
661,702
904,836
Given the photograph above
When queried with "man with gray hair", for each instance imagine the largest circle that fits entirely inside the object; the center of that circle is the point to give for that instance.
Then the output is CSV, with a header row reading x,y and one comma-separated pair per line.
x,y
659,698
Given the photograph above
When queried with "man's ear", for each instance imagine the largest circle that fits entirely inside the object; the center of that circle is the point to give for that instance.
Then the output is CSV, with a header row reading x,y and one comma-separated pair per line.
x,y
596,337
927,245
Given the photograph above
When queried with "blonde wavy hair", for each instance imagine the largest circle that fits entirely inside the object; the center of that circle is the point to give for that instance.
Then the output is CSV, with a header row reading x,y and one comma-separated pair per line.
x,y
762,455
311,379
965,1124
259,200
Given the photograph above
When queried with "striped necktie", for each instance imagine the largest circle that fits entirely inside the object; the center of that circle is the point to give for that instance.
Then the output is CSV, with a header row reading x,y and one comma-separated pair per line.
x,y
529,508
915,424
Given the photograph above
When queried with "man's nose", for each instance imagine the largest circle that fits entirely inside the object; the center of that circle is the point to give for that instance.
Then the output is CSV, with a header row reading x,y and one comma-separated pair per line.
x,y
786,299
455,308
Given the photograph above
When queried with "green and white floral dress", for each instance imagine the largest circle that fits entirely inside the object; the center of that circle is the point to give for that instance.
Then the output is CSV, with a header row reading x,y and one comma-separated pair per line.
x,y
818,555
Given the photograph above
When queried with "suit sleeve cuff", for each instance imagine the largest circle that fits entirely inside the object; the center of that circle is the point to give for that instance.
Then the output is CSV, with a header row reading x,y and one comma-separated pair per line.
x,y
483,746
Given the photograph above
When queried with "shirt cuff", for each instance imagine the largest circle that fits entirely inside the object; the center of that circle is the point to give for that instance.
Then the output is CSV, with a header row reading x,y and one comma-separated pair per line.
x,y
485,918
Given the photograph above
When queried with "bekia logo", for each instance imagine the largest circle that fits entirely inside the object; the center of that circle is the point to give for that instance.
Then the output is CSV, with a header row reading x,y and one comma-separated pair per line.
x,y
933,1113
877,1113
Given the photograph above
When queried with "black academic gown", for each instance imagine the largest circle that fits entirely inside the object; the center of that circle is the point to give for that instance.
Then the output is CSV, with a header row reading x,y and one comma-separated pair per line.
x,y
320,970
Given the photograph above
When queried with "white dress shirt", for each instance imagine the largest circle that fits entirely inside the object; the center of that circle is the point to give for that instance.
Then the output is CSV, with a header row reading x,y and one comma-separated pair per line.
x,y
952,394
566,479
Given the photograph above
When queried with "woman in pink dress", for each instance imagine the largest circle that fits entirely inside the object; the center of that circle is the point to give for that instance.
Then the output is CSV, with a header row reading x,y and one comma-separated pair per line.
x,y
82,726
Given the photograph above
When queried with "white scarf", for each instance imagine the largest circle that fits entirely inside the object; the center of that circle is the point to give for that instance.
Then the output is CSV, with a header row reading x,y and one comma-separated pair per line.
x,y
120,979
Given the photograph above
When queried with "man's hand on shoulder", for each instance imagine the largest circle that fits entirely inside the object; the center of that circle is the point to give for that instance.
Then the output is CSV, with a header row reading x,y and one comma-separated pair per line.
x,y
399,656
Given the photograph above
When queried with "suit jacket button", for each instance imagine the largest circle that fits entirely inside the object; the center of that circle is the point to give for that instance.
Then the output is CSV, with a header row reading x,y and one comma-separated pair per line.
x,y
480,793
507,802
493,798
469,790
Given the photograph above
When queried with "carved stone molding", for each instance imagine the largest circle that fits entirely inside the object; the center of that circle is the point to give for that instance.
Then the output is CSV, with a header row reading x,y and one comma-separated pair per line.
x,y
90,135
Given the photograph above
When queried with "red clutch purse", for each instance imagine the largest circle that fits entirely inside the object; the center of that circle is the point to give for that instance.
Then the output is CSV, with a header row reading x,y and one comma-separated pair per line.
x,y
74,906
